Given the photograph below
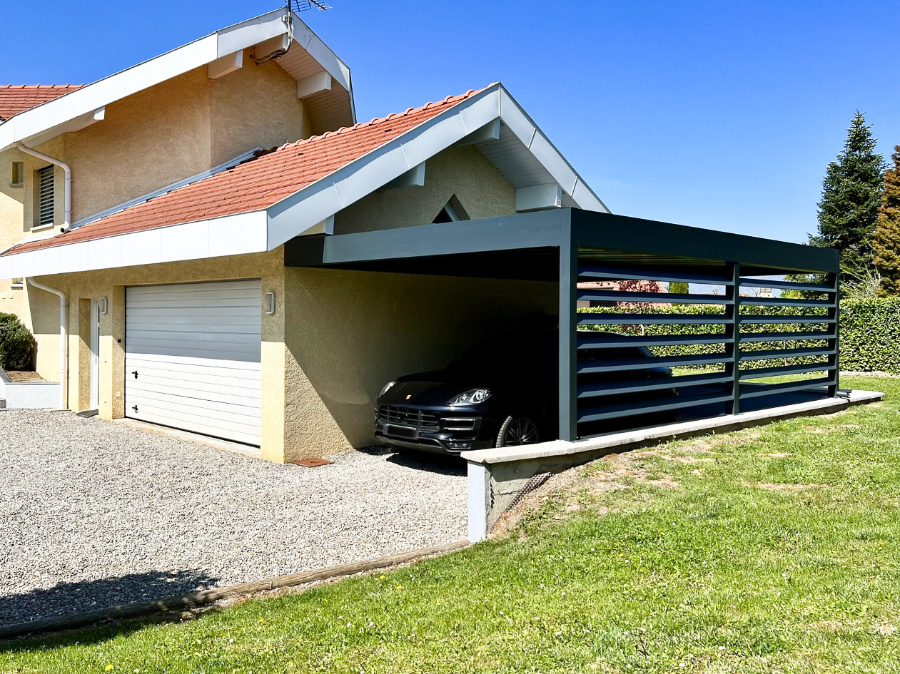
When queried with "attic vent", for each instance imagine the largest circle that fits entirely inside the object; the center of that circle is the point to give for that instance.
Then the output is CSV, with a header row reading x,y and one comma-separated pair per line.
x,y
45,196
453,211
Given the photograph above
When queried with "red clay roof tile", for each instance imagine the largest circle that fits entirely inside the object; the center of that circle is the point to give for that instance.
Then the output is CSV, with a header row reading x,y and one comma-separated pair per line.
x,y
16,98
256,183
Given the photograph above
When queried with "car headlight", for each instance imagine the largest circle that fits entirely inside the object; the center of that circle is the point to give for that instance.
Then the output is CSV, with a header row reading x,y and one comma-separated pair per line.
x,y
386,388
470,397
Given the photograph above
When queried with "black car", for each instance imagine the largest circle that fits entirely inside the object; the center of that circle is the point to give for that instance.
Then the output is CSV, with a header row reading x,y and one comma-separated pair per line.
x,y
501,392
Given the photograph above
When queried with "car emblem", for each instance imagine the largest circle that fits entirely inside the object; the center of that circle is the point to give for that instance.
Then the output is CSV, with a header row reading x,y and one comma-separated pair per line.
x,y
409,396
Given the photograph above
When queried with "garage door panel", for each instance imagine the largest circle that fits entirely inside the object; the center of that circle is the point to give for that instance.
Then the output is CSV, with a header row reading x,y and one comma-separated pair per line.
x,y
243,407
166,361
185,396
177,369
249,436
196,349
153,336
211,413
198,389
186,311
209,419
215,383
187,325
200,302
227,340
211,352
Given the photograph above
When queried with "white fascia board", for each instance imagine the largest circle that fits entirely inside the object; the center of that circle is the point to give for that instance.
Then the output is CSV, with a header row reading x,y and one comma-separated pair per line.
x,y
50,118
314,84
230,235
538,197
225,64
298,213
248,33
415,177
58,112
321,52
515,117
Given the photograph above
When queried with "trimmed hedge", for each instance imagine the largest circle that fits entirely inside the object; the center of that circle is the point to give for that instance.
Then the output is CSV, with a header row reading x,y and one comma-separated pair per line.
x,y
17,344
870,335
869,339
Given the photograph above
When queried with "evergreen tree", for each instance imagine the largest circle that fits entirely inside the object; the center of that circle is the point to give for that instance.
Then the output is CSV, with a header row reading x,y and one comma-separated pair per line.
x,y
851,197
887,233
679,287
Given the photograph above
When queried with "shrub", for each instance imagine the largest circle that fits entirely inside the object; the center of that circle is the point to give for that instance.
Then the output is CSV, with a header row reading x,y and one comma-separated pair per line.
x,y
870,335
17,344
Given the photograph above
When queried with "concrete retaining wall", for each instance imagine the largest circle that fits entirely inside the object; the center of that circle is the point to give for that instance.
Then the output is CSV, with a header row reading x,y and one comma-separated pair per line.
x,y
497,476
32,395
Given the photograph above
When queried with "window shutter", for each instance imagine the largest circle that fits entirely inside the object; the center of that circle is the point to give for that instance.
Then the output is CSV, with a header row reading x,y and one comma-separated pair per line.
x,y
45,211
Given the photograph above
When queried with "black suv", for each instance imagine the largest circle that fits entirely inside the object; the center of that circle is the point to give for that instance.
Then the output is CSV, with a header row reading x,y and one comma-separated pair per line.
x,y
501,392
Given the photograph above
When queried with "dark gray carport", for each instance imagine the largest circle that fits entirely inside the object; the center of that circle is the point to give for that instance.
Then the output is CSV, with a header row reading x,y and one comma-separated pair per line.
x,y
571,246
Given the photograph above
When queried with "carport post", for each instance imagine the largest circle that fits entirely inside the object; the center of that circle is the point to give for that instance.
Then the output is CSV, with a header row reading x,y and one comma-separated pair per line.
x,y
733,331
568,332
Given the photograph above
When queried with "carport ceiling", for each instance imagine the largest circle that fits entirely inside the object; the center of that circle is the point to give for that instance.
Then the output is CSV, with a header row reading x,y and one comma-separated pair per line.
x,y
528,245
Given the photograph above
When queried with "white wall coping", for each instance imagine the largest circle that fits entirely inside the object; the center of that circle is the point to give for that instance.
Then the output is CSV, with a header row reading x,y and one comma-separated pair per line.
x,y
558,448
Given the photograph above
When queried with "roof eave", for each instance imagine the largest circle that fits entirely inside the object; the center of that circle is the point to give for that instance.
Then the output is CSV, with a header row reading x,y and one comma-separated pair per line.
x,y
58,116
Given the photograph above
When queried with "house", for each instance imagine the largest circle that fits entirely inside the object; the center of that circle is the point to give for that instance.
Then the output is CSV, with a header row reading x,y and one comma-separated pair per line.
x,y
145,221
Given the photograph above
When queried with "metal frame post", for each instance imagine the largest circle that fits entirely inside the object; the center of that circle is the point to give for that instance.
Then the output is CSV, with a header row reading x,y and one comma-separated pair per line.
x,y
834,344
733,331
568,329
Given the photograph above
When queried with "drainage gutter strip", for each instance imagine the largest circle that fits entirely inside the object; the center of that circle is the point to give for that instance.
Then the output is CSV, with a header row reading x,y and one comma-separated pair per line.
x,y
202,598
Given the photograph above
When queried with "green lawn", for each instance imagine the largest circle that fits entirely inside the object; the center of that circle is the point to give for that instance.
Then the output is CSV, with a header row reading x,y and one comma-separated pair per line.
x,y
773,549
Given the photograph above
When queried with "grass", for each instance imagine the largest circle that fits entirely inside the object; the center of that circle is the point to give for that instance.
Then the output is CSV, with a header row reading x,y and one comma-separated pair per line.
x,y
775,549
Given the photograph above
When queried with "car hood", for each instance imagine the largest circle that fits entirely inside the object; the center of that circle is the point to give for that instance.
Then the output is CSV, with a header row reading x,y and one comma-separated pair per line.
x,y
425,389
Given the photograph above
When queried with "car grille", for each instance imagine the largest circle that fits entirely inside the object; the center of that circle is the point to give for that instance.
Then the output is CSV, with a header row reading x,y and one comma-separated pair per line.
x,y
407,416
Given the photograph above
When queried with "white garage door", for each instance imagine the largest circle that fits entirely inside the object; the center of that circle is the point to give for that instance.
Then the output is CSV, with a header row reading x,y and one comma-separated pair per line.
x,y
192,357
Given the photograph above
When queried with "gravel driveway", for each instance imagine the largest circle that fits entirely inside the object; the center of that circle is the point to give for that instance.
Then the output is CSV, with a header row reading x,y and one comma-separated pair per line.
x,y
96,514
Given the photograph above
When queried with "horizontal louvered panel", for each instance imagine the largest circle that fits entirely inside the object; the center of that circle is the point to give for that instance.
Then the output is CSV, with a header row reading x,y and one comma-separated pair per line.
x,y
664,405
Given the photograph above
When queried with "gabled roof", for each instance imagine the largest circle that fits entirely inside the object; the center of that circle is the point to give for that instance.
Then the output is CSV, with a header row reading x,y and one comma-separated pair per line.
x,y
330,105
295,189
255,184
19,98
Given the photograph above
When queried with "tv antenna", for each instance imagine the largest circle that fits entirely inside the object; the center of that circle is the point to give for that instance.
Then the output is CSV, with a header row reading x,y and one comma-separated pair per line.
x,y
306,5
292,6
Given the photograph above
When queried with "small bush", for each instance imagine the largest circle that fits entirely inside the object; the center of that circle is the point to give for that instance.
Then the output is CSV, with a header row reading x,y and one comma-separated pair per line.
x,y
17,344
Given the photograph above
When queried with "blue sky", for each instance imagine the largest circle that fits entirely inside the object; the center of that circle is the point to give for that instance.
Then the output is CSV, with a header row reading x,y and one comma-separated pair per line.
x,y
712,114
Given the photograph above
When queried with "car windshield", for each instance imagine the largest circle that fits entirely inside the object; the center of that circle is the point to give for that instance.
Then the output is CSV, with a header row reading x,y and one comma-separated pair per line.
x,y
506,351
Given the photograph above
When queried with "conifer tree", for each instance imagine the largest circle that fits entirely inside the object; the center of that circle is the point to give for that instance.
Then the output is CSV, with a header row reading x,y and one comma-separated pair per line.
x,y
851,197
887,233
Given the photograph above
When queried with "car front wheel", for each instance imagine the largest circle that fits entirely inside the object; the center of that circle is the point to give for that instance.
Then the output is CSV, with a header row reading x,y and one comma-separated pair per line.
x,y
517,431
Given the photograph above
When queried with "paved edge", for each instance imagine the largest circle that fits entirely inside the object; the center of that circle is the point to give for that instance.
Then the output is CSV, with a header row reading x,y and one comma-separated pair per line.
x,y
206,597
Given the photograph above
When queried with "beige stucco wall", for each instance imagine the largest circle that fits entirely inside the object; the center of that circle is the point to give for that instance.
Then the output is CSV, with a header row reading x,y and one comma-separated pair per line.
x,y
336,337
462,171
258,103
350,332
153,138
12,213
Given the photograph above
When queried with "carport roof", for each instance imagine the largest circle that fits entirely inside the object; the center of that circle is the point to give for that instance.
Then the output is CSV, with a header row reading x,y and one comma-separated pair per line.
x,y
514,246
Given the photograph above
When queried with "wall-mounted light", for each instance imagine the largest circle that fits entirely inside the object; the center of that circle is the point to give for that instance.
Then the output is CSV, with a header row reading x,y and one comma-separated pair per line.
x,y
104,305
270,303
